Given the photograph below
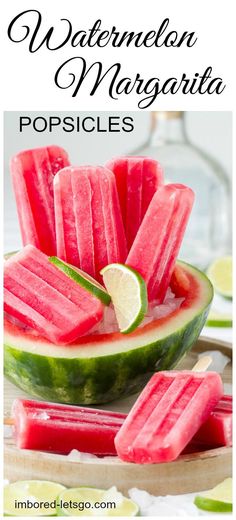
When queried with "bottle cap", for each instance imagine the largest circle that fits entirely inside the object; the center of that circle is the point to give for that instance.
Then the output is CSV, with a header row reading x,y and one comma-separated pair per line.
x,y
167,115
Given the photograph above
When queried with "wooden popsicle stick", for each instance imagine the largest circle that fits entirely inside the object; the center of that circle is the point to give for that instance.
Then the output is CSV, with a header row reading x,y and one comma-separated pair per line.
x,y
8,421
202,364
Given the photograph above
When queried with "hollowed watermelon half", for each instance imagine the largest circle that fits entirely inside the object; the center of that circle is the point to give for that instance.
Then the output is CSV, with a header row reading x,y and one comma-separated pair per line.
x,y
99,368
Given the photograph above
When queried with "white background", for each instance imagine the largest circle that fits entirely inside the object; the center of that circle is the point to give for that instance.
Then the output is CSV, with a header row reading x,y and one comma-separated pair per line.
x,y
29,77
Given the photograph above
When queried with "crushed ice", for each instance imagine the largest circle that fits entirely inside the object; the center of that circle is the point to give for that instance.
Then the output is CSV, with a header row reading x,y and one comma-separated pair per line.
x,y
42,415
167,506
113,495
155,311
109,323
79,456
7,431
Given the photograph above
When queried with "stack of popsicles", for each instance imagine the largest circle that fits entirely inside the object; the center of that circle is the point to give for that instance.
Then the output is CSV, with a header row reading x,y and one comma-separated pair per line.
x,y
76,212
88,216
163,422
71,212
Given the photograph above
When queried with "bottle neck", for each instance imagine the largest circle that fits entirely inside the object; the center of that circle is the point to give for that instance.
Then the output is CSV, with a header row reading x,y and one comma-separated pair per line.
x,y
167,127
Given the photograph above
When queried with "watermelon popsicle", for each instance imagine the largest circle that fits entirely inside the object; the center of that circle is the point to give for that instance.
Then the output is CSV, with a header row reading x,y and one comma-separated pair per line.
x,y
137,180
217,430
157,243
42,297
89,228
62,428
59,428
167,414
32,175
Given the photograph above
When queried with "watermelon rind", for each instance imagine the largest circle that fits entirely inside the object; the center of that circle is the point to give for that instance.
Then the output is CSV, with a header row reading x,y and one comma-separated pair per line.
x,y
100,368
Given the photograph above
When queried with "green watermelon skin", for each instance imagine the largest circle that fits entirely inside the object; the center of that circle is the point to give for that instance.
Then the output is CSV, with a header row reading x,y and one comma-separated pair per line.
x,y
115,366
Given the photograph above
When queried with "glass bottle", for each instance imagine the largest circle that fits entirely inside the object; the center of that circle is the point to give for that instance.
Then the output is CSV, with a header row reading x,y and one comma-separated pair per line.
x,y
208,233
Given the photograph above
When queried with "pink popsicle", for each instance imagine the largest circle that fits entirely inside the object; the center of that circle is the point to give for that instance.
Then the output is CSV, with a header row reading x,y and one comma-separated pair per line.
x,y
217,430
167,414
137,180
89,228
59,428
157,243
32,175
62,428
42,297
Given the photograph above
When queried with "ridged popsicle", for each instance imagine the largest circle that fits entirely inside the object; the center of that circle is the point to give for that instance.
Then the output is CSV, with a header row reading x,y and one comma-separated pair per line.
x,y
157,243
32,175
217,430
167,414
58,428
89,227
137,180
61,428
45,299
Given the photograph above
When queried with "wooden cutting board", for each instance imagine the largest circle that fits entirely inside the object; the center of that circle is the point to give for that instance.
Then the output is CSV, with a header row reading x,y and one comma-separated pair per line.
x,y
189,473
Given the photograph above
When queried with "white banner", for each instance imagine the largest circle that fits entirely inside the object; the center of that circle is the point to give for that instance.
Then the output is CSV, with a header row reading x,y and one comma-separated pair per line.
x,y
126,56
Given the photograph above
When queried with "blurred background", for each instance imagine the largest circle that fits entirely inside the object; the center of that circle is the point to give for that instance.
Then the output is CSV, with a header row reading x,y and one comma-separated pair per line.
x,y
193,148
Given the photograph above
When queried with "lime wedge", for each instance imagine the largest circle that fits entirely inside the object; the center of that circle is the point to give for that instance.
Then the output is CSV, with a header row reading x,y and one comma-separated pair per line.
x,y
217,319
31,498
128,293
86,501
220,274
83,279
218,499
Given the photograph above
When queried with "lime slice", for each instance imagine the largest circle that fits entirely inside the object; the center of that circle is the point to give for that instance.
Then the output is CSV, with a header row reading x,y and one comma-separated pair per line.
x,y
128,292
83,279
218,319
220,274
31,498
218,499
86,501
